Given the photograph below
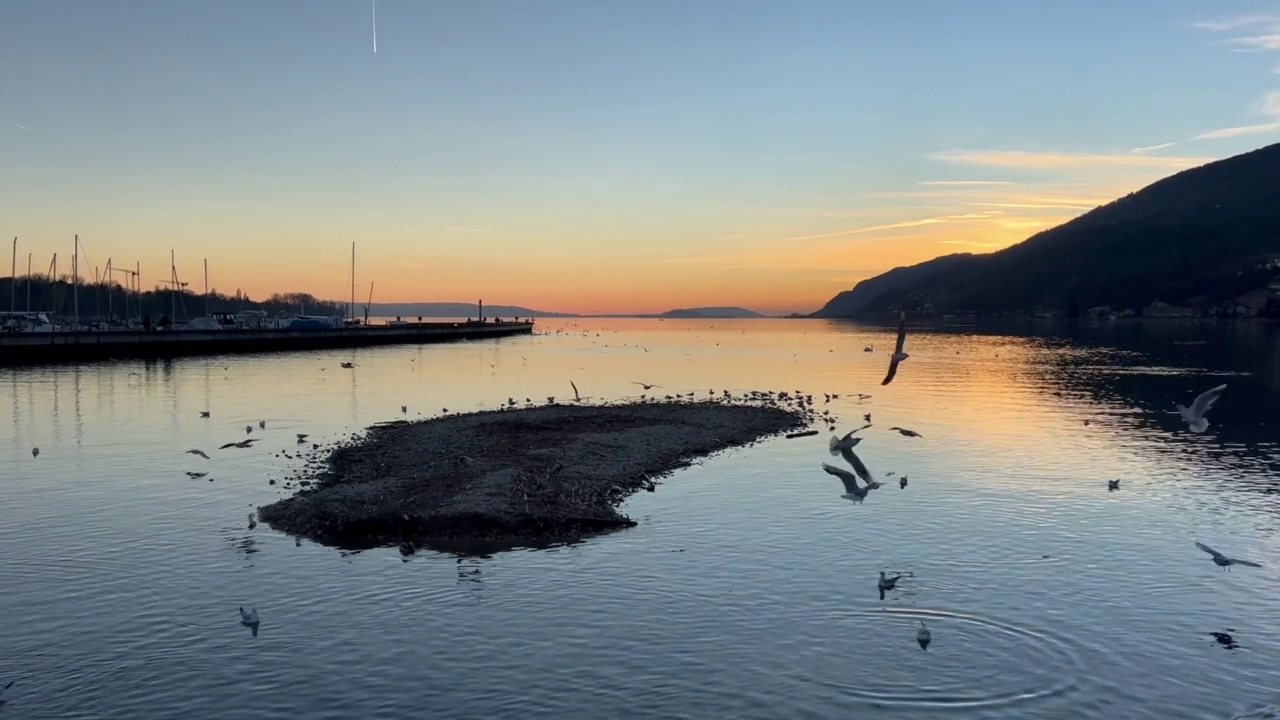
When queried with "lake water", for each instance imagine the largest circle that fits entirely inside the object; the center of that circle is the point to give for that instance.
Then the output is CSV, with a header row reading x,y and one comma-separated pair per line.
x,y
747,591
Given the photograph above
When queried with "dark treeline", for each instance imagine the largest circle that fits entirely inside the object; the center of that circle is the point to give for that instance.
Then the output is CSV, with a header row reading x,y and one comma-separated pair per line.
x,y
112,300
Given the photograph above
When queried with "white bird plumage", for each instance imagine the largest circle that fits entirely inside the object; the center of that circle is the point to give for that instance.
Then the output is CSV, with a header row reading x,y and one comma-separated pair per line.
x,y
1195,415
249,617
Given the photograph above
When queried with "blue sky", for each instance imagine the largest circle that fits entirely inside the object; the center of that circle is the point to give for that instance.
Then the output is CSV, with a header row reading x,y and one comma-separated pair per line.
x,y
575,154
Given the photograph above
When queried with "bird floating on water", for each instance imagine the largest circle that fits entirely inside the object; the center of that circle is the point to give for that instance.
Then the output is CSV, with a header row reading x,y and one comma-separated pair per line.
x,y
262,424
852,491
907,433
924,637
347,365
1195,415
1113,485
196,475
35,451
249,619
4,690
898,355
194,451
302,437
903,482
204,413
1223,561
887,583
248,429
253,522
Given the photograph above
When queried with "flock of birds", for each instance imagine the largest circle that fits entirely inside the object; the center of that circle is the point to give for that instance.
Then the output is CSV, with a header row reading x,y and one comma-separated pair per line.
x,y
843,446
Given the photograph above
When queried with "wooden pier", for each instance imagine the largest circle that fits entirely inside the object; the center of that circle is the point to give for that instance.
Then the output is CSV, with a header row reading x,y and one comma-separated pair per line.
x,y
69,347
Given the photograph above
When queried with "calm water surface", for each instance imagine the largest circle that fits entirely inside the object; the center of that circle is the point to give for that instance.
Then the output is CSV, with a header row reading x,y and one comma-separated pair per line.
x,y
747,591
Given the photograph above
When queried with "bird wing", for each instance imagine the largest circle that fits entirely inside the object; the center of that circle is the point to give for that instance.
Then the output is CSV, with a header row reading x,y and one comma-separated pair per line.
x,y
576,396
902,332
1246,563
1206,399
858,466
893,370
1211,551
224,447
850,481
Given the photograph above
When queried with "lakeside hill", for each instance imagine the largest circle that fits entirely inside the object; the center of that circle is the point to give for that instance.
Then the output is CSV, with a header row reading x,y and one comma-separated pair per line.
x,y
708,312
1205,241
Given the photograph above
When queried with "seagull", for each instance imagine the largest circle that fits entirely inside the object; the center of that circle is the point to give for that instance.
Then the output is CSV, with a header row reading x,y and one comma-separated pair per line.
x,y
302,437
898,355
35,451
907,433
262,424
848,442
576,396
1194,415
5,689
204,413
924,637
903,482
196,475
248,429
404,409
249,619
845,449
1223,561
646,386
347,365
241,444
253,523
887,583
194,451
852,491
1113,485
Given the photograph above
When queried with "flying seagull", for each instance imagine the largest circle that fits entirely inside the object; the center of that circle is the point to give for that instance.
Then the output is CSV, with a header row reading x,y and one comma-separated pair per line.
x,y
848,442
1223,561
1194,415
646,386
194,451
845,449
898,355
852,491
907,433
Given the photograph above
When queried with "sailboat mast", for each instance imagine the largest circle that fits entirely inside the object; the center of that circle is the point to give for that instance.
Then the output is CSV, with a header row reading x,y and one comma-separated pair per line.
x,y
29,281
13,280
351,308
75,280
206,286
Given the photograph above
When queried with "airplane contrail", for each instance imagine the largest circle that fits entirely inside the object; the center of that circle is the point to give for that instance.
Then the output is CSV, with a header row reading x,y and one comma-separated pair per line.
x,y
375,27
24,127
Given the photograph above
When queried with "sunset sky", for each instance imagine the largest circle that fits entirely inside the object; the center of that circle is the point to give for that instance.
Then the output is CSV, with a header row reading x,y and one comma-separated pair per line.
x,y
601,156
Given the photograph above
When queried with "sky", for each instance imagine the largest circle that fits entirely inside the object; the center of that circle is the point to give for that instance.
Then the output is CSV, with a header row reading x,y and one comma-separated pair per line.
x,y
584,156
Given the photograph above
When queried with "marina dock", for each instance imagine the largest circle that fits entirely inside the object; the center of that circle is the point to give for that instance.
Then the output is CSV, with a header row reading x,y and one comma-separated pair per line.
x,y
35,348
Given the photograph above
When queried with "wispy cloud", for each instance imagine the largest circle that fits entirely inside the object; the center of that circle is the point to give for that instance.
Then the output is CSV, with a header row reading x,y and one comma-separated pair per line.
x,y
1153,148
1251,32
468,230
24,127
898,225
966,183
1024,160
1237,22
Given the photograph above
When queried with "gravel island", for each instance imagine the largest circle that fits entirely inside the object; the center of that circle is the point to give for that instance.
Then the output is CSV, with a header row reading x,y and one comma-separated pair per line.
x,y
514,477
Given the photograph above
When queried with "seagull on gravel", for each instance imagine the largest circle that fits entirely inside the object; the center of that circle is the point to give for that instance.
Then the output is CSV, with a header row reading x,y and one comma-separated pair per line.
x,y
898,355
1194,415
852,491
1223,561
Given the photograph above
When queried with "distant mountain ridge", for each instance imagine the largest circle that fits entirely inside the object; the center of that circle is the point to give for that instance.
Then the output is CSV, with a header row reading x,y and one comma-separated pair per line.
x,y
457,309
1205,240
